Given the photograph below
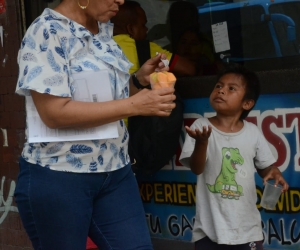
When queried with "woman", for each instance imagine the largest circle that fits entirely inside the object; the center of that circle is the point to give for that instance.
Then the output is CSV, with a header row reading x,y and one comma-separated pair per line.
x,y
69,190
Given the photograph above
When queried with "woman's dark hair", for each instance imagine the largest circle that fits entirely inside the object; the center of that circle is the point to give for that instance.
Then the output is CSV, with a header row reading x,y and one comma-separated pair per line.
x,y
251,80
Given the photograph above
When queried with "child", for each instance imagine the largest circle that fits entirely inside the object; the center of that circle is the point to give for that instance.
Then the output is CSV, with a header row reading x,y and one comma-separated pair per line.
x,y
224,151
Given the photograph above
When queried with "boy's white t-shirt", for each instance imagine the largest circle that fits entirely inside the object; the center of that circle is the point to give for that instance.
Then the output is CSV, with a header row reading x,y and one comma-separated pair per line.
x,y
226,197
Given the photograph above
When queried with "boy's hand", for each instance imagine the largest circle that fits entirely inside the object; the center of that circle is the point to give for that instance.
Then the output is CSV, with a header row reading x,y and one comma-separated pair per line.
x,y
275,174
198,135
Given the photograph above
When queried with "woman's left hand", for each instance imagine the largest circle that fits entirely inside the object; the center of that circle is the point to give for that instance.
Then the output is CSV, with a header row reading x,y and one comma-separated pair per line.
x,y
151,65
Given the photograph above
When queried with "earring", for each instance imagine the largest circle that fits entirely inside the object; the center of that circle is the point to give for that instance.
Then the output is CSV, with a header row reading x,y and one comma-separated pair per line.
x,y
83,7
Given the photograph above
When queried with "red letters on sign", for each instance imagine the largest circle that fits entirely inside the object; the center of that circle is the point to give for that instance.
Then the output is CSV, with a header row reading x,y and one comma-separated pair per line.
x,y
274,138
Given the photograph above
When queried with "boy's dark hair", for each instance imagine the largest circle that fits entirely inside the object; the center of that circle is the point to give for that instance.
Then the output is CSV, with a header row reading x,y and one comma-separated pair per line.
x,y
128,14
251,80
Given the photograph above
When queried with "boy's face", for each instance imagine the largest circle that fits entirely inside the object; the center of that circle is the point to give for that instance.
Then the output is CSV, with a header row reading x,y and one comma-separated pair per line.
x,y
227,98
139,28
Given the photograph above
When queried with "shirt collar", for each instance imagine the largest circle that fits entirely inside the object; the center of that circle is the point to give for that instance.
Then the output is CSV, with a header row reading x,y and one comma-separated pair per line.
x,y
77,29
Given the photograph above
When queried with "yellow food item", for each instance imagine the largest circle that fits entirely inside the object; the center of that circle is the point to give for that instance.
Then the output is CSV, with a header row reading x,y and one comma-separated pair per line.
x,y
162,80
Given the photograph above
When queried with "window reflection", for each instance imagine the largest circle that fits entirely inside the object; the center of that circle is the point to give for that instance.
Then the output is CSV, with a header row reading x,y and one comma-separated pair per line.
x,y
257,30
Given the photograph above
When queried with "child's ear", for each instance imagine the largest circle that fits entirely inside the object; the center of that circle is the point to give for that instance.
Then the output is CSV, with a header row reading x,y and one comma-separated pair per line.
x,y
248,104
130,30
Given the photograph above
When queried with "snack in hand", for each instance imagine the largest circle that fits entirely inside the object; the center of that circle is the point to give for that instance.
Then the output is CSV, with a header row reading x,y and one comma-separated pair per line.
x,y
162,80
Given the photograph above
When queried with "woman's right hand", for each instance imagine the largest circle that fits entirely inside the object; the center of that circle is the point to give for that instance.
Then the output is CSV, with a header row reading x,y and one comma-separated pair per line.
x,y
157,102
62,112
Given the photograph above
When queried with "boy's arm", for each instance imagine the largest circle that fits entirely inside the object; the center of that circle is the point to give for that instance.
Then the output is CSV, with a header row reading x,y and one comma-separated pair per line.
x,y
273,173
198,157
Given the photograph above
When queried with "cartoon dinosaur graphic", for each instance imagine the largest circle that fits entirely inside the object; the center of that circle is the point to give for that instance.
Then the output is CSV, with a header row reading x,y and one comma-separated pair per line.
x,y
225,182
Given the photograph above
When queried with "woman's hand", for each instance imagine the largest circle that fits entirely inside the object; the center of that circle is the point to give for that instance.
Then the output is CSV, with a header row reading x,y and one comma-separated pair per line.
x,y
62,112
157,102
151,65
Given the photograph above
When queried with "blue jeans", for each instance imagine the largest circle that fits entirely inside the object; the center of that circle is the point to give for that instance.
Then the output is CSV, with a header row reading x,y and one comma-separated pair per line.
x,y
59,210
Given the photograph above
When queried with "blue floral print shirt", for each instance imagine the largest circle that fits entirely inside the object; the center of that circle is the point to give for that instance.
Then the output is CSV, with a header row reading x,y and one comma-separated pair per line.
x,y
53,48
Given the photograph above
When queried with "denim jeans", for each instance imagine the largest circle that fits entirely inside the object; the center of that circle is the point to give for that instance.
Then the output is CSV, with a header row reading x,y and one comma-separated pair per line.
x,y
59,210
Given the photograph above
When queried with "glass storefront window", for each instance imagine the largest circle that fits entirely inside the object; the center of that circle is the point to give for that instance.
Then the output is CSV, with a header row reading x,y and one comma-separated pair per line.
x,y
258,29
260,34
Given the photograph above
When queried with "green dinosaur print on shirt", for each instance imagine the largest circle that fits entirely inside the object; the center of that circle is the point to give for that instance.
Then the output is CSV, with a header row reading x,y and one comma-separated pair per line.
x,y
225,182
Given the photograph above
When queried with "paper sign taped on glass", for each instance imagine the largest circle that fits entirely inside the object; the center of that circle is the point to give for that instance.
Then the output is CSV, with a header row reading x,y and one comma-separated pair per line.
x,y
220,36
89,87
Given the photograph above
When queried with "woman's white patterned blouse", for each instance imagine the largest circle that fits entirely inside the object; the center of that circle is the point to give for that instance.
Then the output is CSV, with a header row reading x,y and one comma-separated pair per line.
x,y
54,47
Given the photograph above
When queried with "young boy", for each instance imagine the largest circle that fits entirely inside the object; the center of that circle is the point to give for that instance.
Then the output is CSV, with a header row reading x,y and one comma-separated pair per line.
x,y
224,151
